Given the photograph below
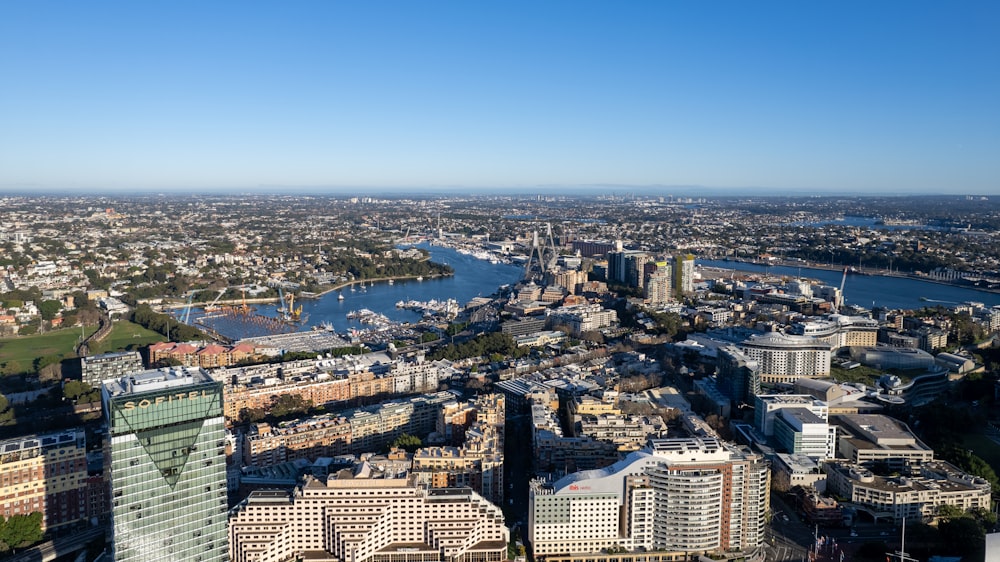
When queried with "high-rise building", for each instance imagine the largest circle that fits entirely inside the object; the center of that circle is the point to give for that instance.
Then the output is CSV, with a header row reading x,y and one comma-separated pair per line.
x,y
684,274
168,466
635,268
738,376
677,497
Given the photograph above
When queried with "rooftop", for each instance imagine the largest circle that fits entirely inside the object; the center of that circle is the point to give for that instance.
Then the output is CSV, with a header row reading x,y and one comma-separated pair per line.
x,y
157,379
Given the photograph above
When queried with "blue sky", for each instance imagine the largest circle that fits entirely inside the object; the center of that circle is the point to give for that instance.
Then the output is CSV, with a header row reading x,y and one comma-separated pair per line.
x,y
792,97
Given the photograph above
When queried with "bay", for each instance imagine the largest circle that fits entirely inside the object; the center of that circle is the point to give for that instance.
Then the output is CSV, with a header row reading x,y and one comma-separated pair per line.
x,y
873,290
473,277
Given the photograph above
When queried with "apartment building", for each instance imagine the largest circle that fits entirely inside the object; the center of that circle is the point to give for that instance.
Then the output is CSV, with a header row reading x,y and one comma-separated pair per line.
x,y
678,496
915,497
361,519
47,474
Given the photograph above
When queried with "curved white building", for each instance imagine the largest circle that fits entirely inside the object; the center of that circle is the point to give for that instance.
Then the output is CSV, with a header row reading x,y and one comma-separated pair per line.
x,y
680,496
785,358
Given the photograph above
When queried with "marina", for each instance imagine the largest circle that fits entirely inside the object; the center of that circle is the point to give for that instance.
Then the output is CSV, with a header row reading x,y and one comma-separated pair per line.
x,y
439,296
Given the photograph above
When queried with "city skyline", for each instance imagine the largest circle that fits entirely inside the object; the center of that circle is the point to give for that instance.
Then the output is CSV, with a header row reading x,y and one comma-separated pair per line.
x,y
780,98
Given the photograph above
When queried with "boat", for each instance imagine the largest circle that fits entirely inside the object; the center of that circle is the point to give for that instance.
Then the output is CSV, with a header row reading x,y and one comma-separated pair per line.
x,y
390,281
420,278
340,296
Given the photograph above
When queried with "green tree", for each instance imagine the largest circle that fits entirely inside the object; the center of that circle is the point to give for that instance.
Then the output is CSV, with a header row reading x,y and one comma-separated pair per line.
x,y
407,442
288,404
49,308
21,529
6,412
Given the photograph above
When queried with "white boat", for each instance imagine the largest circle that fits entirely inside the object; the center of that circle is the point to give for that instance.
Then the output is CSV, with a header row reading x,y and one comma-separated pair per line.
x,y
391,281
420,278
340,296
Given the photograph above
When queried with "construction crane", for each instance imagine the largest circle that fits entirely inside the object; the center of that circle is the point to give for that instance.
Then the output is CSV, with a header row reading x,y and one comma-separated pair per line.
x,y
286,306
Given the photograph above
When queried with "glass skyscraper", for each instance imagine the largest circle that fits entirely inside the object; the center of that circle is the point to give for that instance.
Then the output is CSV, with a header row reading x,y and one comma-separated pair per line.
x,y
168,466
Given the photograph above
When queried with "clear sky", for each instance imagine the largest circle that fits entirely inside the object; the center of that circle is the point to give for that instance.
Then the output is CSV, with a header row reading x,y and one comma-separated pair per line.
x,y
889,96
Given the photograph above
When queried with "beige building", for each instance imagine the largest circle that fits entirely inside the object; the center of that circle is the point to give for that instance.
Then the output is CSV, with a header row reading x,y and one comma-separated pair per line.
x,y
914,497
357,519
478,462
47,474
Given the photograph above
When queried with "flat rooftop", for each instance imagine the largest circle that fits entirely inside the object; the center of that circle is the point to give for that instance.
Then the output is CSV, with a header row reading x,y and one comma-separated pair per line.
x,y
156,379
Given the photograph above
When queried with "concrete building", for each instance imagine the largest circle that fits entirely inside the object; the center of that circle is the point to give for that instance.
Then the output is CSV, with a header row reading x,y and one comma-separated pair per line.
x,y
168,466
97,368
478,462
583,318
791,470
840,331
915,497
865,439
357,518
659,286
767,407
45,473
679,497
784,358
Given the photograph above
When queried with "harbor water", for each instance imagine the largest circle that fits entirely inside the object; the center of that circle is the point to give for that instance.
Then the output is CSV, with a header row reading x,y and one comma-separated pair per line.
x,y
473,277
872,290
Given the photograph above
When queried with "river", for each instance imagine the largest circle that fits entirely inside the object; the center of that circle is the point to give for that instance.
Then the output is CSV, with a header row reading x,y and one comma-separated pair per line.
x,y
473,277
873,290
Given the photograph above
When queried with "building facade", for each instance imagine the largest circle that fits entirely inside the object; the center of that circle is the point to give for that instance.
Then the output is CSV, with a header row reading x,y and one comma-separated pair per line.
x,y
45,474
358,519
98,368
784,358
168,466
680,496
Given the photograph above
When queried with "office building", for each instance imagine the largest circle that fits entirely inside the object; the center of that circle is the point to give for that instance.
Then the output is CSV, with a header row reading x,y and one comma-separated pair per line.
x,y
799,431
98,368
677,497
360,518
168,466
868,439
768,406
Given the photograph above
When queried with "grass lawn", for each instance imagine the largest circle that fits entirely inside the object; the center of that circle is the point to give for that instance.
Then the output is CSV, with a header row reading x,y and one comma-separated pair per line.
x,y
20,353
984,448
124,334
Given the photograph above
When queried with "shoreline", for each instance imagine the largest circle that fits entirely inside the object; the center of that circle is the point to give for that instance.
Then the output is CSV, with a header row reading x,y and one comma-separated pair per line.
x,y
854,271
372,281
